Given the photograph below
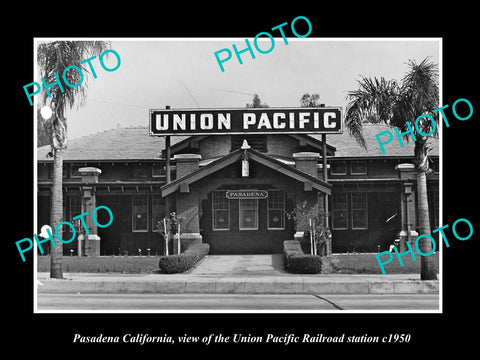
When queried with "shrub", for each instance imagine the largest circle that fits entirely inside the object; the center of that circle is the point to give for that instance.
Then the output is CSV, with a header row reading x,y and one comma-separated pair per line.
x,y
305,264
182,262
296,261
290,247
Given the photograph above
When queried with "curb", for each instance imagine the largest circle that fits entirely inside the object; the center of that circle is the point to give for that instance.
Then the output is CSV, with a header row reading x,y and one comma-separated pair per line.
x,y
237,286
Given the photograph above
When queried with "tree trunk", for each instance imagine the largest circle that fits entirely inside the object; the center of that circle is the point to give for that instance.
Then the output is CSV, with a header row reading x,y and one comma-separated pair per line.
x,y
427,266
56,216
427,269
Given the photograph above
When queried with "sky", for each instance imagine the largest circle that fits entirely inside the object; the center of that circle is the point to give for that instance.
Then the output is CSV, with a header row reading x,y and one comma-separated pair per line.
x,y
183,73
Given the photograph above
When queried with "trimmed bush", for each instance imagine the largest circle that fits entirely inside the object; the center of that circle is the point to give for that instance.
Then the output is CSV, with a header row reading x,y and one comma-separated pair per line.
x,y
296,261
305,264
178,263
290,247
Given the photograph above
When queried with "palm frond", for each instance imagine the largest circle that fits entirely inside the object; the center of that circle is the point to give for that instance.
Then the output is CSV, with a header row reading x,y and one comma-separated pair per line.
x,y
385,101
421,81
372,102
54,57
420,90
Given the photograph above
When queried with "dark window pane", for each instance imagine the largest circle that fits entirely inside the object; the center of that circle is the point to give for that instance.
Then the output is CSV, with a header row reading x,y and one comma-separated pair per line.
x,y
339,211
359,211
338,167
221,211
139,213
276,209
248,214
358,167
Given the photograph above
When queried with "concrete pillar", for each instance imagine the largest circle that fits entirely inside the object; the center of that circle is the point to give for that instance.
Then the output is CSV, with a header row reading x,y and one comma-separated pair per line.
x,y
187,202
188,210
306,207
310,204
90,244
408,210
324,216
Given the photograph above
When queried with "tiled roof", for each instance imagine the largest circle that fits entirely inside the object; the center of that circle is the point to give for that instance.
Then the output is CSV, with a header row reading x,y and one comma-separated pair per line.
x,y
347,146
131,143
134,143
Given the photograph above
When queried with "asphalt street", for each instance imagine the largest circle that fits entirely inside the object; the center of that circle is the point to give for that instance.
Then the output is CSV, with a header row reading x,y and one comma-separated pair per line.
x,y
232,302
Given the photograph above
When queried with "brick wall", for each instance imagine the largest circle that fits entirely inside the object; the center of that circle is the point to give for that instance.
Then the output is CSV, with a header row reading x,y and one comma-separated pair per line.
x,y
187,208
186,164
307,162
214,146
281,145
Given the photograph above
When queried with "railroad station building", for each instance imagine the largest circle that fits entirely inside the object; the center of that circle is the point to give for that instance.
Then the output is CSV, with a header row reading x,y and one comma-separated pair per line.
x,y
235,192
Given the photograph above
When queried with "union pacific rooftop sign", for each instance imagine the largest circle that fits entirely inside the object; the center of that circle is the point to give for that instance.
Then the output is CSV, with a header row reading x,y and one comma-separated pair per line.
x,y
321,120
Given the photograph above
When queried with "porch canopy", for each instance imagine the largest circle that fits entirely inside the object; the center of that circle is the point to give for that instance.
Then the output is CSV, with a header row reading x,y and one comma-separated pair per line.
x,y
310,182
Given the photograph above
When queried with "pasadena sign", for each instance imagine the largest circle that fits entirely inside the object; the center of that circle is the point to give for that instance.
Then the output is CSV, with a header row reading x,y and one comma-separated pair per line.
x,y
246,194
321,120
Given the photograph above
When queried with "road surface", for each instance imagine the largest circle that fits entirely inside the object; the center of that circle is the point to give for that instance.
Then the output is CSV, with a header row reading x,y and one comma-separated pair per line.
x,y
227,302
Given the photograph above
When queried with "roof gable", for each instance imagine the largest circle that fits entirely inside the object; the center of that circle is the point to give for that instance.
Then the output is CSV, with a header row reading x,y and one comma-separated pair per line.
x,y
254,155
303,139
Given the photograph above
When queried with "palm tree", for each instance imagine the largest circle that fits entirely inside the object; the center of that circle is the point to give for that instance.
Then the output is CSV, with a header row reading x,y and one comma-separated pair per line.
x,y
395,104
53,58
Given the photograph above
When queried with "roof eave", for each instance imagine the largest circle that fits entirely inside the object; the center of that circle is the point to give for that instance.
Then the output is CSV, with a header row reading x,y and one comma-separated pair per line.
x,y
255,155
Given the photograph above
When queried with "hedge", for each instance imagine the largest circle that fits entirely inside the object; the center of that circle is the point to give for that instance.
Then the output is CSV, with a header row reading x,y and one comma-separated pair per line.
x,y
296,261
182,262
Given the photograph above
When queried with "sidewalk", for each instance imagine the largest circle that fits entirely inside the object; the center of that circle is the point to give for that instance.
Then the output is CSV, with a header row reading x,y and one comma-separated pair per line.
x,y
237,274
236,284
